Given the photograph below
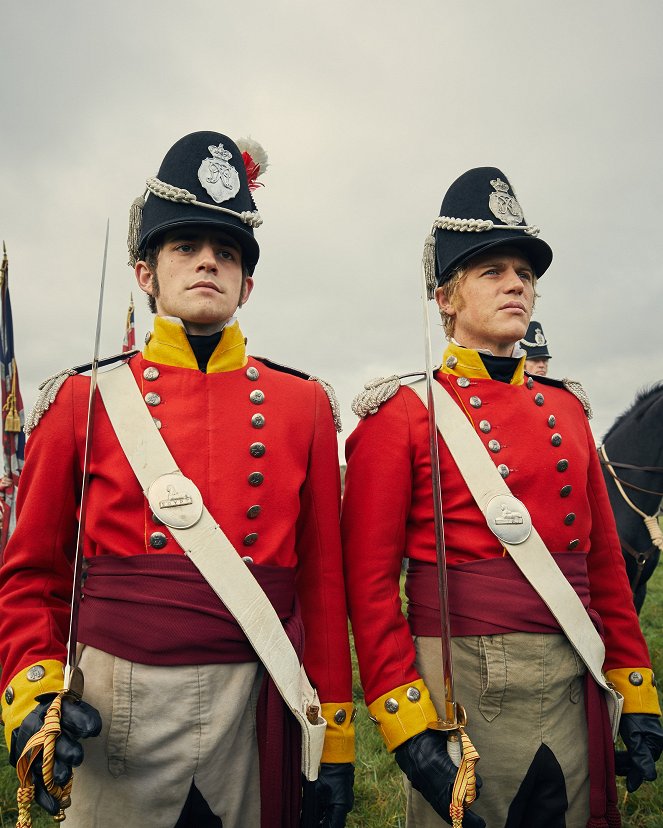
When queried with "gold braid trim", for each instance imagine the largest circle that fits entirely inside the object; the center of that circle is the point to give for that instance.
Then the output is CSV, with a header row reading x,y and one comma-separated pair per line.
x,y
43,741
465,787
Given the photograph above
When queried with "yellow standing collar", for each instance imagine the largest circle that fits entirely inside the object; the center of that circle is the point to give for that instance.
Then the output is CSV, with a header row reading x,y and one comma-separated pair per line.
x,y
168,345
467,362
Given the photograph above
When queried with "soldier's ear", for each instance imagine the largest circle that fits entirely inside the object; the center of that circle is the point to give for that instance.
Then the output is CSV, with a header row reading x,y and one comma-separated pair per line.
x,y
144,277
247,287
443,303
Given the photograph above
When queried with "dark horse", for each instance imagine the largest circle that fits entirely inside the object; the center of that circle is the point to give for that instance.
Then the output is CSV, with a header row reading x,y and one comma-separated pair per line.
x,y
632,459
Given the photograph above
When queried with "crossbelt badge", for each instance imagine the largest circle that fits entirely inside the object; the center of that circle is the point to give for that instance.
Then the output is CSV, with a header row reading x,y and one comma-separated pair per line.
x,y
175,500
508,519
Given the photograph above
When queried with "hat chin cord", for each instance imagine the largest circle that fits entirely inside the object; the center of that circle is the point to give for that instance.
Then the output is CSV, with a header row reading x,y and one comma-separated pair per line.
x,y
177,194
461,226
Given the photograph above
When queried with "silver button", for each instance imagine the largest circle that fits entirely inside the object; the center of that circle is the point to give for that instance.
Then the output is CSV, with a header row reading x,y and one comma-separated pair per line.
x,y
148,336
353,715
247,559
556,440
158,540
573,545
562,465
485,426
475,402
252,373
452,362
463,382
257,397
413,694
539,399
253,511
391,705
340,716
635,678
569,519
157,422
256,478
151,373
530,383
494,446
503,470
9,695
257,421
552,421
565,491
257,449
152,398
36,673
250,539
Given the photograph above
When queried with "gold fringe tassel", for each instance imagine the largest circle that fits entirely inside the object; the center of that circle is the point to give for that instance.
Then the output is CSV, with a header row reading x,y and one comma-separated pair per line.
x,y
43,741
465,787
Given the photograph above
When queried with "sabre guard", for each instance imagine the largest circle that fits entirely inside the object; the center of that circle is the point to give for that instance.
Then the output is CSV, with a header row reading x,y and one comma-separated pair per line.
x,y
212,625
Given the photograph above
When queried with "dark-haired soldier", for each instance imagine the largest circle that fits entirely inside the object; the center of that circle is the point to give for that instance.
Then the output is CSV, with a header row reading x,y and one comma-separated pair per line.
x,y
535,345
188,688
532,500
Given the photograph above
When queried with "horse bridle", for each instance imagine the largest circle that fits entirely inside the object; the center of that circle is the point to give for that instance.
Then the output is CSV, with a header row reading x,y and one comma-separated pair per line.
x,y
650,521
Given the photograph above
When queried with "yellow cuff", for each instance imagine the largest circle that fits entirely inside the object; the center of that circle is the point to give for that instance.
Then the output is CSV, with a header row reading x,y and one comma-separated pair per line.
x,y
340,732
19,697
638,687
403,712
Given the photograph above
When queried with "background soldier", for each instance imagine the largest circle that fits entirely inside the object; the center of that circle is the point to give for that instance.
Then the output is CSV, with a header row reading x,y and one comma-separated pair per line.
x,y
516,674
188,713
535,346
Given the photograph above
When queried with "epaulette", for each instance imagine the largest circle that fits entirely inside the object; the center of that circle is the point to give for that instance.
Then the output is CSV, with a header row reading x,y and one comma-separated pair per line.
x,y
50,387
328,389
378,391
573,386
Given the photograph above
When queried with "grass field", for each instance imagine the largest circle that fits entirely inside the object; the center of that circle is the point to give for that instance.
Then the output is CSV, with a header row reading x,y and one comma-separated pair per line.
x,y
380,802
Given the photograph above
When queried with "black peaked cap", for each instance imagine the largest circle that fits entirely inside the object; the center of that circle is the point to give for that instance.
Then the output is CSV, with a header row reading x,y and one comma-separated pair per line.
x,y
535,342
471,196
216,159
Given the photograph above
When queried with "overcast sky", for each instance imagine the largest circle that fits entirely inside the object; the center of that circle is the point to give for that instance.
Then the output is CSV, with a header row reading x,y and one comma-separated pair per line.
x,y
368,111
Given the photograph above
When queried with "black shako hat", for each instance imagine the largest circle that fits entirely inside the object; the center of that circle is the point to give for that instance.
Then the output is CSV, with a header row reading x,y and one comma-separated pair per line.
x,y
203,181
534,342
480,211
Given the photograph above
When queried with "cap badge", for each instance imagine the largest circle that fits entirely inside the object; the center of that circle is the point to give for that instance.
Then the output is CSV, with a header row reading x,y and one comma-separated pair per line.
x,y
219,178
539,338
502,205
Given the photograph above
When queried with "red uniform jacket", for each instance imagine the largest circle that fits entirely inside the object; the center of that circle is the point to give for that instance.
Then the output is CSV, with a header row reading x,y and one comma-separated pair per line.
x,y
538,433
209,423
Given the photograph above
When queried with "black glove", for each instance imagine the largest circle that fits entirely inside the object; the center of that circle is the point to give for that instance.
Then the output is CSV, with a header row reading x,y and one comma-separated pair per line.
x,y
78,721
330,798
424,760
643,736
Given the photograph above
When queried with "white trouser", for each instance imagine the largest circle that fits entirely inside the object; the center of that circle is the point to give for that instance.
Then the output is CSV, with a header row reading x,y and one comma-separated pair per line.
x,y
164,727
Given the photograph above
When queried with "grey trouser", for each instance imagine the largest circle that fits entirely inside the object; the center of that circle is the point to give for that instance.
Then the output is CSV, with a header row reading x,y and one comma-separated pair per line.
x,y
520,691
164,727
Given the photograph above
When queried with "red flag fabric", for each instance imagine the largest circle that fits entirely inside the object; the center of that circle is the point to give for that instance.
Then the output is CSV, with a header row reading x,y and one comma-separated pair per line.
x,y
129,342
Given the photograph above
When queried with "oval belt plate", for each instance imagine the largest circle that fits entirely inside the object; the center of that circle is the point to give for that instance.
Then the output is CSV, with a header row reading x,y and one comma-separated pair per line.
x,y
508,519
175,500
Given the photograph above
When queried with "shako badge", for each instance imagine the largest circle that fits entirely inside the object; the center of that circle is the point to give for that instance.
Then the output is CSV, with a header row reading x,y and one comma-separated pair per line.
x,y
219,178
503,205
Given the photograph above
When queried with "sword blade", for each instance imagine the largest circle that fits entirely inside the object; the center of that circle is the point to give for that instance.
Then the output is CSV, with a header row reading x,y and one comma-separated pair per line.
x,y
72,677
450,721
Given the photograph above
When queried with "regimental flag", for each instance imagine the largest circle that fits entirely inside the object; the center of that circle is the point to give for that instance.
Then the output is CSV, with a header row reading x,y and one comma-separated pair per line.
x,y
13,437
129,342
